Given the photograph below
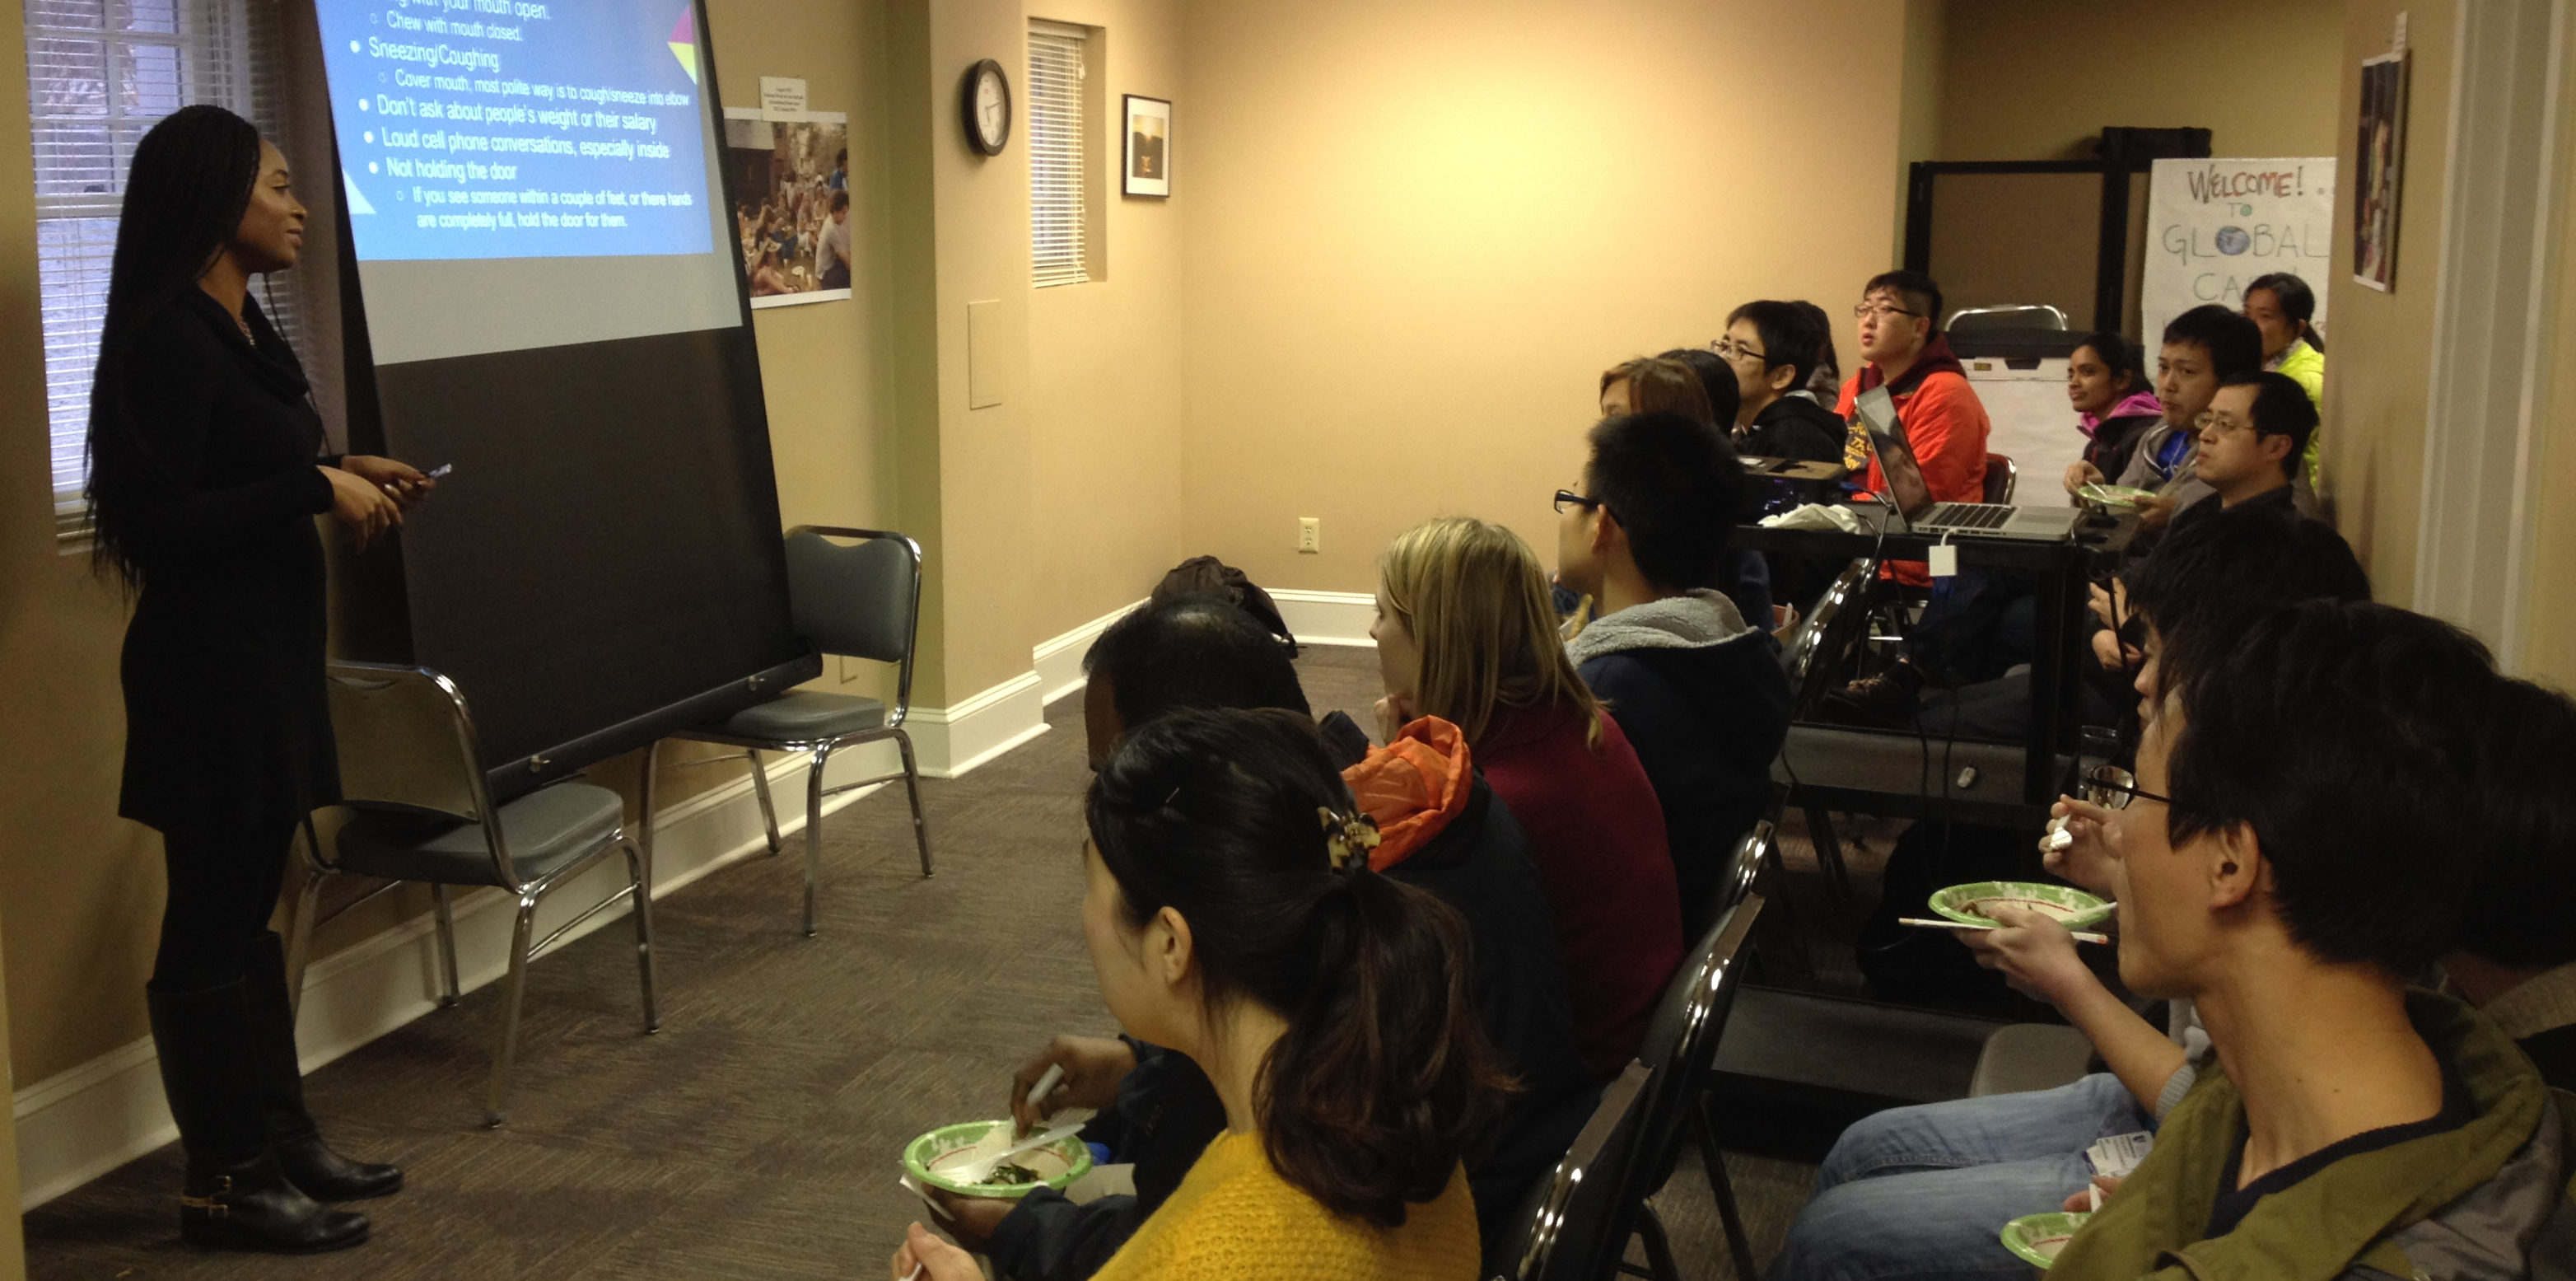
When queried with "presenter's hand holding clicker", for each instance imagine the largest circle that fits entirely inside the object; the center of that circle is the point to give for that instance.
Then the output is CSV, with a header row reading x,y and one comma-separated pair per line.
x,y
406,484
361,505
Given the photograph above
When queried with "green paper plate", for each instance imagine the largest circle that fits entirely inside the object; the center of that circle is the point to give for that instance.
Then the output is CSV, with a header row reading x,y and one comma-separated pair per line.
x,y
2114,495
1060,1164
2073,909
2038,1237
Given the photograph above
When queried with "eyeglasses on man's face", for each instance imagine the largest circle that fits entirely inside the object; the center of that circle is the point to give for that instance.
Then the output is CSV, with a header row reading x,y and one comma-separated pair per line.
x,y
1568,498
2112,788
1882,310
1729,349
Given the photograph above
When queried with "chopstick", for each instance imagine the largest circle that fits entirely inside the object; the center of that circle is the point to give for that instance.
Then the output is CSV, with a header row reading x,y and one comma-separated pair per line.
x,y
2081,936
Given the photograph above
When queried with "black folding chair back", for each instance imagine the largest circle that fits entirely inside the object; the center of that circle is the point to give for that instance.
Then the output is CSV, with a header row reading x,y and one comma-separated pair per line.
x,y
1568,1214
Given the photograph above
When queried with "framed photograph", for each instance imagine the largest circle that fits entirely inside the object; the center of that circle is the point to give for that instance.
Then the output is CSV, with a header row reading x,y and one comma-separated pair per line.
x,y
787,178
2382,174
1149,146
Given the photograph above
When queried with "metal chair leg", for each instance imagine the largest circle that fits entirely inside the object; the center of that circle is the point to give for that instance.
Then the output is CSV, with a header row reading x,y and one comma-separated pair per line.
x,y
451,991
1722,1187
814,830
1829,852
1659,1247
299,947
768,812
912,786
639,874
496,1109
1787,921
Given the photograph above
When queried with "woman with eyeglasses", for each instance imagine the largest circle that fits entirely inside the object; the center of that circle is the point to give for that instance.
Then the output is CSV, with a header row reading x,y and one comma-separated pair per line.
x,y
206,472
1464,632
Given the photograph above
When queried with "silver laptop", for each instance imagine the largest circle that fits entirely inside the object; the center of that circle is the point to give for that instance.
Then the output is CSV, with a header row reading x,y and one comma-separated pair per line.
x,y
1913,498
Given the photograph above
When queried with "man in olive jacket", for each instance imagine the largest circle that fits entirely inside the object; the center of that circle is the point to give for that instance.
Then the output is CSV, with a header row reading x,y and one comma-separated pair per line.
x,y
2290,850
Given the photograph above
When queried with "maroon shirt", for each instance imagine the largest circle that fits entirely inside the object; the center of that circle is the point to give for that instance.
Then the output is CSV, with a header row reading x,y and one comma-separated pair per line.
x,y
1598,835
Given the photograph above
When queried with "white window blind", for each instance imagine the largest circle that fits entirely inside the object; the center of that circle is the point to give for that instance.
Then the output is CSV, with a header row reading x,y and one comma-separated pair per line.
x,y
99,74
1055,154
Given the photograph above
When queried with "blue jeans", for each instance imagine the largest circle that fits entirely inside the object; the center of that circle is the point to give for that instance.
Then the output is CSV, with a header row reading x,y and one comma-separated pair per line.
x,y
1921,1192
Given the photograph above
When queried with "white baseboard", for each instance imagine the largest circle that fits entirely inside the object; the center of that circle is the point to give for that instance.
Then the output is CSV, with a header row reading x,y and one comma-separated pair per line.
x,y
1058,662
79,1124
1326,618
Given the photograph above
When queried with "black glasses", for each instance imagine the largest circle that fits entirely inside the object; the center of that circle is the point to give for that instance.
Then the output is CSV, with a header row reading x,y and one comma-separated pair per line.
x,y
1863,311
2112,788
1565,496
1729,349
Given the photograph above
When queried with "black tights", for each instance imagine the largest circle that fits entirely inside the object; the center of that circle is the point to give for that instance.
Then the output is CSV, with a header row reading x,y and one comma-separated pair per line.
x,y
223,886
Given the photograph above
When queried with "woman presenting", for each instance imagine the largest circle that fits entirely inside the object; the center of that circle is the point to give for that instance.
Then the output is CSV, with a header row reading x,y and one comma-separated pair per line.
x,y
204,479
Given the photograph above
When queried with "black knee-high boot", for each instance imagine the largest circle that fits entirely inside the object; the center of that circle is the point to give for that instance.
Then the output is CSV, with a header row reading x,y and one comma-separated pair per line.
x,y
310,1164
237,1197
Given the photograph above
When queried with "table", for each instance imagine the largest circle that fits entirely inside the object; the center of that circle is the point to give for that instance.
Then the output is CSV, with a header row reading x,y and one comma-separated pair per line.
x,y
1865,770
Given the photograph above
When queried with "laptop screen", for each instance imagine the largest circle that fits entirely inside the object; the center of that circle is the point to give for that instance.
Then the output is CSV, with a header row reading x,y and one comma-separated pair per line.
x,y
1895,457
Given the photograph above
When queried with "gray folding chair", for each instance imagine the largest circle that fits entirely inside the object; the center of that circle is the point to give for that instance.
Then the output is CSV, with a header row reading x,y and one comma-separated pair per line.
x,y
411,773
864,601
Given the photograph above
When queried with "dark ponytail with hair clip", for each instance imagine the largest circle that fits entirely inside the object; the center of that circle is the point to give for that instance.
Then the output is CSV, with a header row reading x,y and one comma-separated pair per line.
x,y
1238,821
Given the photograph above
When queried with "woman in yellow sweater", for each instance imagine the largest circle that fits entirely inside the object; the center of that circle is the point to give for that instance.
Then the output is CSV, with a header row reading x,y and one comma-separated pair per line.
x,y
1232,917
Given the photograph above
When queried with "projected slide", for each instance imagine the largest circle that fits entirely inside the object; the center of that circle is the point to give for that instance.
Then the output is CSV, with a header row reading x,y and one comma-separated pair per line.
x,y
519,128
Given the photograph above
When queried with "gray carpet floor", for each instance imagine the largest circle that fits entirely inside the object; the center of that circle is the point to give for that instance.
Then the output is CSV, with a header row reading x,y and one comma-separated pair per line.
x,y
755,1136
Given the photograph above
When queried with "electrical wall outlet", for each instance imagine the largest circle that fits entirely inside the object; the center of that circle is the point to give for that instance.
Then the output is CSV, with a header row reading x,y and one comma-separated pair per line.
x,y
1310,534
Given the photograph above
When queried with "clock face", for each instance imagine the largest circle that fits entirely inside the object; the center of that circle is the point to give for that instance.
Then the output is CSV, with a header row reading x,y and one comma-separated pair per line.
x,y
987,107
992,110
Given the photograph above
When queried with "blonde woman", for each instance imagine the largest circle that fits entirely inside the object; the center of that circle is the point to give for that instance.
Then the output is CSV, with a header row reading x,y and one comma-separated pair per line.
x,y
1465,632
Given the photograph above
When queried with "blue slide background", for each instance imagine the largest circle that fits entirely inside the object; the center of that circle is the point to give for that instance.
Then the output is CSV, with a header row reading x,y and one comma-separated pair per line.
x,y
476,129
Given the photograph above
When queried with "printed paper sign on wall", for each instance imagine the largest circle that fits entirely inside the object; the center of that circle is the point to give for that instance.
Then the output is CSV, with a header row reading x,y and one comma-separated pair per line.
x,y
2214,225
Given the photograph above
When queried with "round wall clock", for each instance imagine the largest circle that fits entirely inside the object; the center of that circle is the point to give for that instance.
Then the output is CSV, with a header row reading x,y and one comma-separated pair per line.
x,y
987,103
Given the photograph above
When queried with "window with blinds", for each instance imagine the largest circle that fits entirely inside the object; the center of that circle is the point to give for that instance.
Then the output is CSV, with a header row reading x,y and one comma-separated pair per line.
x,y
99,74
1054,115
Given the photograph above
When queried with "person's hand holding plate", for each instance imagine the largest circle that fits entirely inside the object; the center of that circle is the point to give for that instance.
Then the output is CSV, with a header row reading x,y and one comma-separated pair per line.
x,y
2035,954
2106,1184
972,1219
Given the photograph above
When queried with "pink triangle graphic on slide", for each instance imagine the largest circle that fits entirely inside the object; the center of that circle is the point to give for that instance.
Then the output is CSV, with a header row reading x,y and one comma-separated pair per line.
x,y
684,42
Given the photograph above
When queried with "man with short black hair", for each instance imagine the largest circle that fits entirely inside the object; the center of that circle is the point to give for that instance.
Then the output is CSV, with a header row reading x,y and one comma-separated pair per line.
x,y
1193,652
1898,324
1918,1191
2251,439
1773,347
2293,846
2203,348
1697,690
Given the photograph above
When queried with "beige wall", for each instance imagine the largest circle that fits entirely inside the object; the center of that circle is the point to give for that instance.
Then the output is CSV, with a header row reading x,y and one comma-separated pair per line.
x,y
2040,79
2379,353
2549,652
1418,233
1104,378
13,1253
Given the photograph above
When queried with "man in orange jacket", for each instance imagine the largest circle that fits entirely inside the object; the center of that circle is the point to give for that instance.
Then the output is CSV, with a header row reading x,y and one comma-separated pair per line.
x,y
1904,350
